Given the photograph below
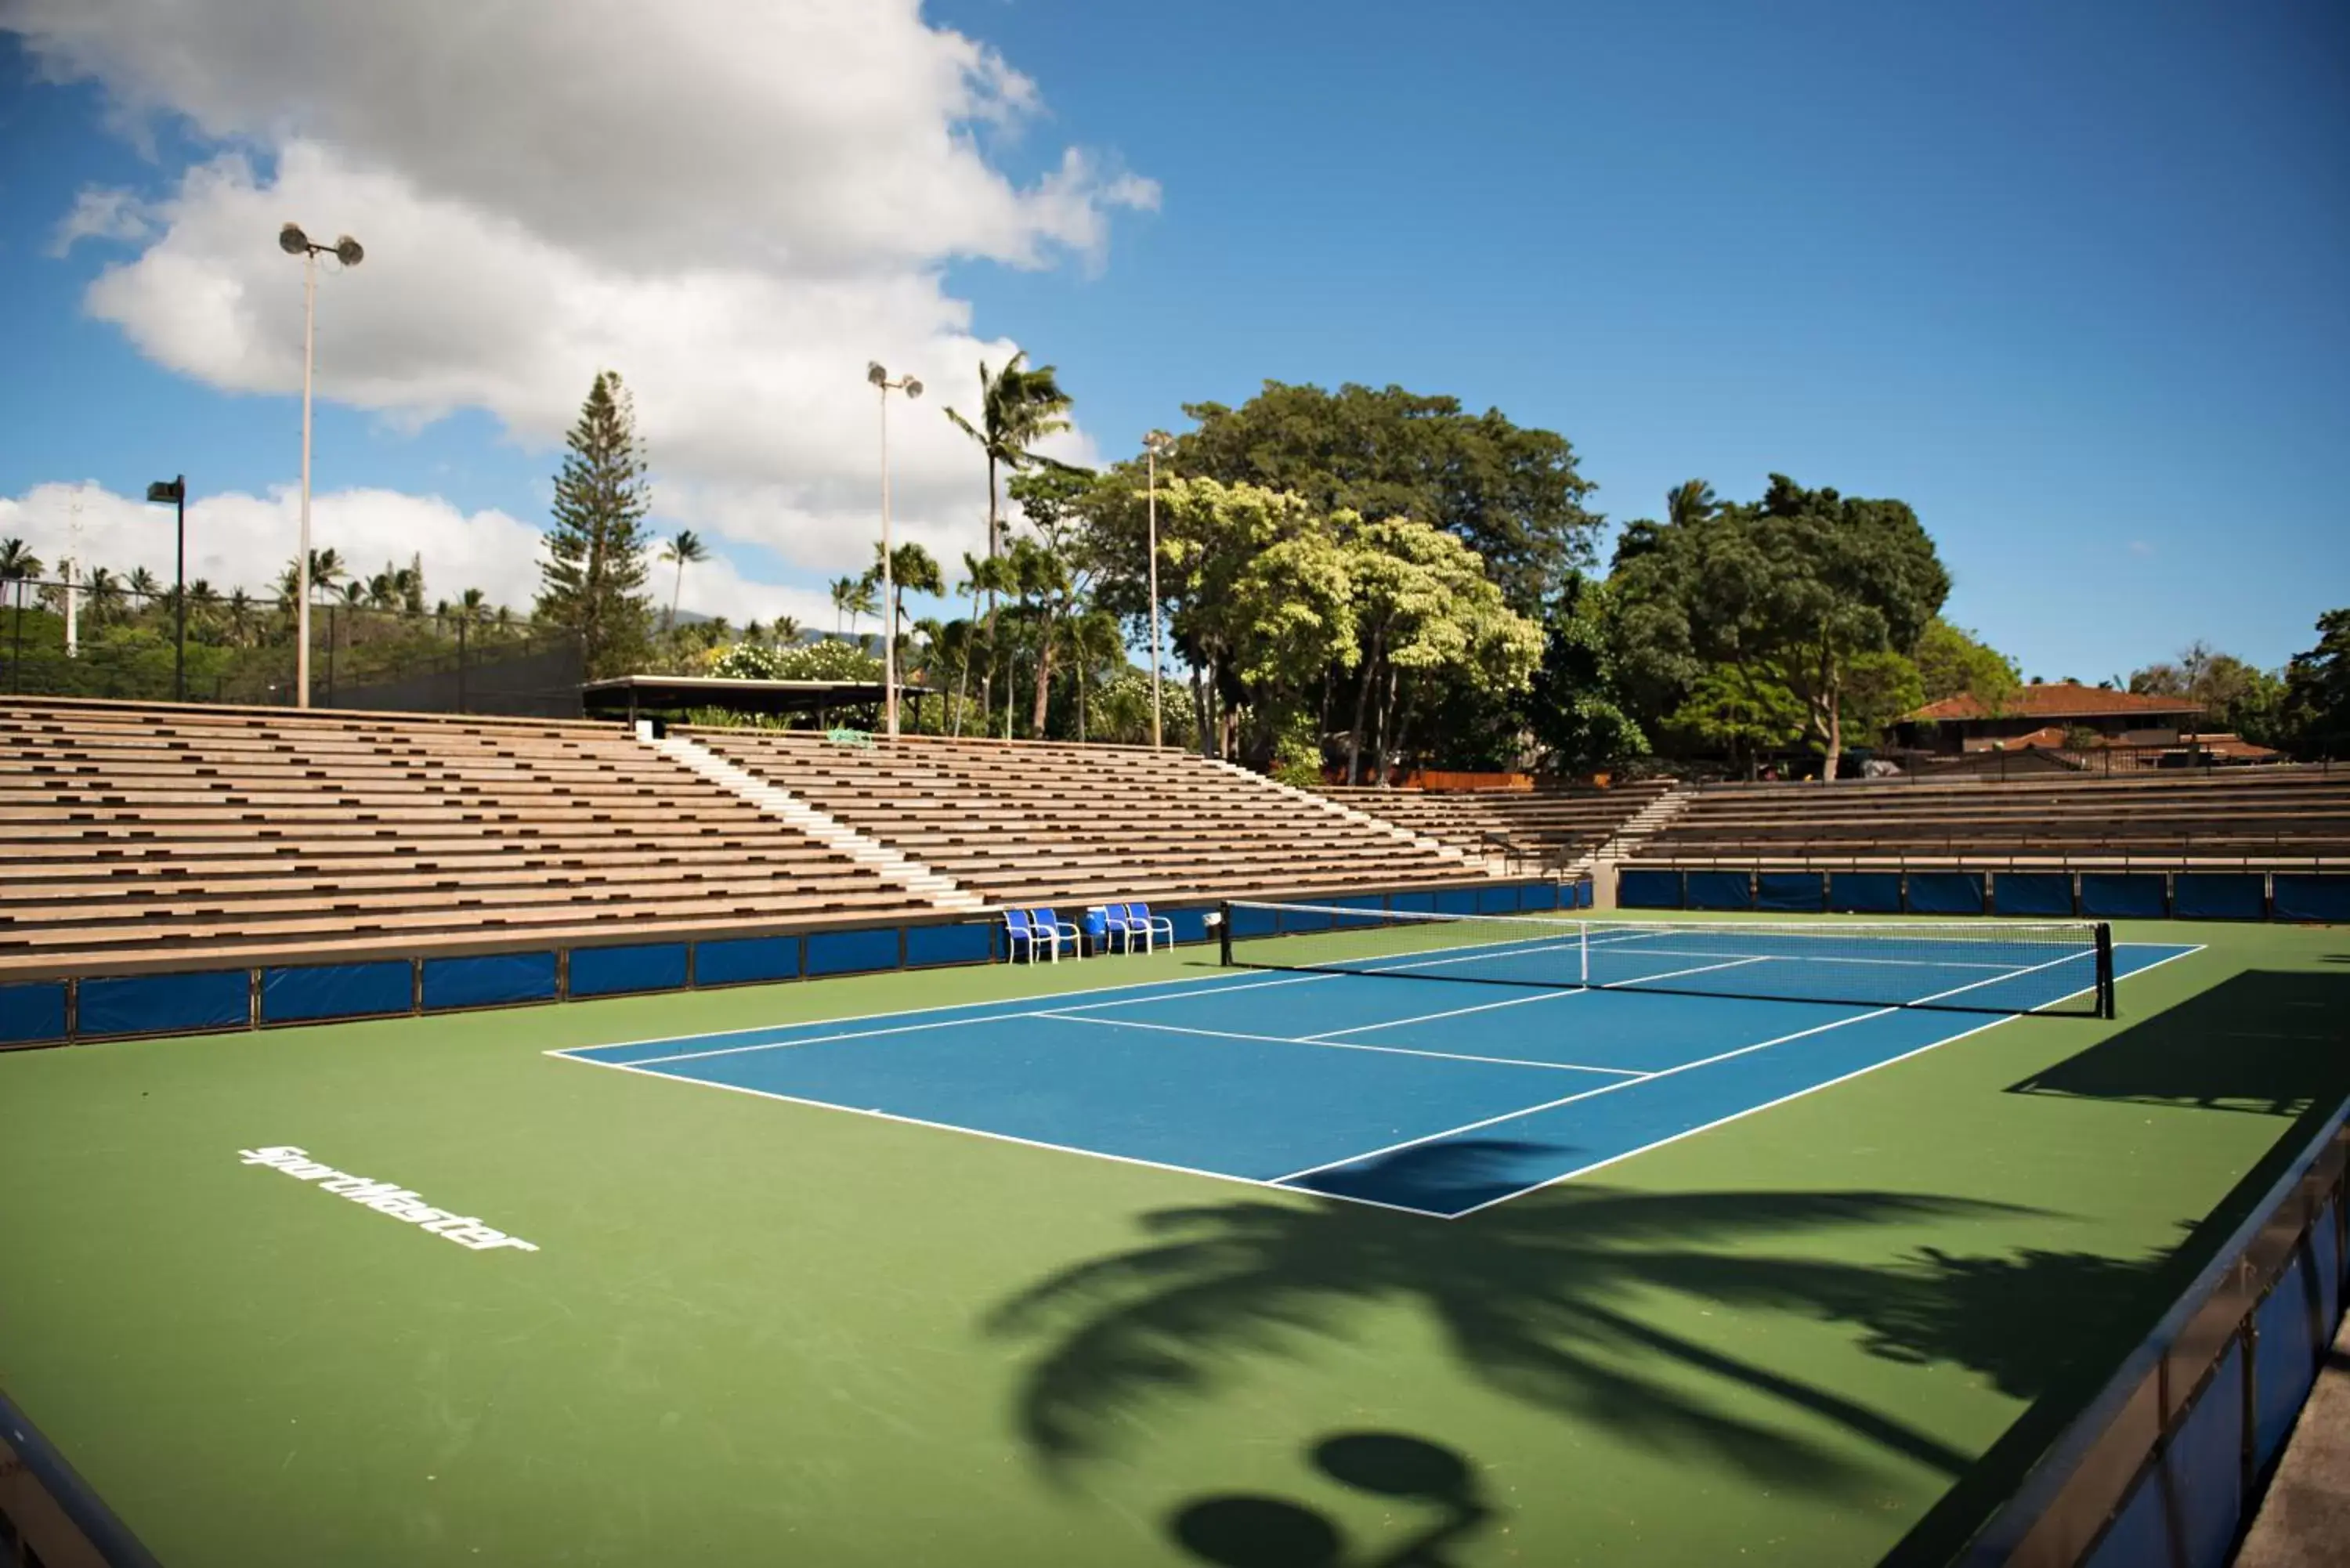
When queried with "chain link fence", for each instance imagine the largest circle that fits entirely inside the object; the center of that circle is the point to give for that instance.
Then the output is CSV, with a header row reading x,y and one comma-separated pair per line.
x,y
113,641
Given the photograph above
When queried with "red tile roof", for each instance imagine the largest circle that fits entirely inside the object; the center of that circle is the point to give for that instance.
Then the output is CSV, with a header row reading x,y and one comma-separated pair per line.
x,y
2055,699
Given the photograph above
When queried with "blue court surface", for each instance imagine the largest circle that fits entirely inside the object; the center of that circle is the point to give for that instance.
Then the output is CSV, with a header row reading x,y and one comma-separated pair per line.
x,y
1435,1085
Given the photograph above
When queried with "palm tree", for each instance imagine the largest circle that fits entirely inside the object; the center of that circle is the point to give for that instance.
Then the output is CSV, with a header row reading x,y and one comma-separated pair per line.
x,y
687,549
383,589
240,618
475,607
1690,500
784,632
327,570
105,593
853,595
1018,407
17,563
143,584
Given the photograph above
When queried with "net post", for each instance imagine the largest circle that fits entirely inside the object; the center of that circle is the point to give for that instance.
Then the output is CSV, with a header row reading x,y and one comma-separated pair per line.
x,y
2104,969
1224,933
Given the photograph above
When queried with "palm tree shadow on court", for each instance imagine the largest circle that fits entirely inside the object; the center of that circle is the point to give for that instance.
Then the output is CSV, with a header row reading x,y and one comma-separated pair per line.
x,y
1539,1298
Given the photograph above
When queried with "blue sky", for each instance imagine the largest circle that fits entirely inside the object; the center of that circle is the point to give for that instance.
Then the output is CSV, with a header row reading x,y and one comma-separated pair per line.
x,y
2066,277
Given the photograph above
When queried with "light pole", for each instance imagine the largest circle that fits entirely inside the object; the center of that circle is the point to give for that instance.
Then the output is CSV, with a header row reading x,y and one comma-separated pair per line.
x,y
346,250
882,382
174,493
1153,444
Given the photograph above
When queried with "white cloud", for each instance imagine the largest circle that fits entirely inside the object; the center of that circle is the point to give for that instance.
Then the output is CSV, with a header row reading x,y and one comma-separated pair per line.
x,y
736,203
244,541
102,213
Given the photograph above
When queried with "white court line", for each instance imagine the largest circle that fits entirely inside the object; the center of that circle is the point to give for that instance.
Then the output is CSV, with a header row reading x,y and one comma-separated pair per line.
x,y
1202,984
809,1040
1814,1088
1651,1077
1326,1045
1902,963
991,1136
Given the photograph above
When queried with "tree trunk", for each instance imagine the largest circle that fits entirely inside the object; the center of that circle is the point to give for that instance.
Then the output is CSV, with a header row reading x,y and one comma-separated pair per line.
x,y
987,686
1362,702
1835,734
1387,715
1200,708
1044,678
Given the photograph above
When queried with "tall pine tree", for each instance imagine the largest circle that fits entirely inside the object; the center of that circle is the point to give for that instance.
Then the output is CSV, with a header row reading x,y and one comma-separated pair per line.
x,y
592,580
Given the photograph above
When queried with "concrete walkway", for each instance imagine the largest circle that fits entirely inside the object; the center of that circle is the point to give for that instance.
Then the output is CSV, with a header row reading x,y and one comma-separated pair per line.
x,y
2304,1521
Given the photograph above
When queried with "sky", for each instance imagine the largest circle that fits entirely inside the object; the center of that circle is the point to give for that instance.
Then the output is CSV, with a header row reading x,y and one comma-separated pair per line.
x,y
2066,277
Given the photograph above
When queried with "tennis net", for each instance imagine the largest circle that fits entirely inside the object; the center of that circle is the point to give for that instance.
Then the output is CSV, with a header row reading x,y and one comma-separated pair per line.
x,y
1981,966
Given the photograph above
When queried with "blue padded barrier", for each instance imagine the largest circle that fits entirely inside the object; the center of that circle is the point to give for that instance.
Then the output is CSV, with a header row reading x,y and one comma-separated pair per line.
x,y
1413,903
1649,890
2040,895
2206,1459
1578,895
2303,896
1791,892
2326,1242
489,980
1539,896
929,947
1946,893
614,972
1456,900
1720,890
2218,896
744,960
1296,920
2284,1364
1502,898
30,1012
165,1003
852,952
2139,1534
1191,925
1864,892
306,992
2125,895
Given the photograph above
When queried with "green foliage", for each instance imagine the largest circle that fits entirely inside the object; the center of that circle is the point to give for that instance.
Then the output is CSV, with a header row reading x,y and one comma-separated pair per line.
x,y
1794,589
1574,704
592,577
1741,709
1512,494
1297,755
2315,716
2235,697
825,661
1952,662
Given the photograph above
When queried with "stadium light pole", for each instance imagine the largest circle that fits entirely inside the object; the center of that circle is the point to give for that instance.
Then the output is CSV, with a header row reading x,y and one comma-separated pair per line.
x,y
174,493
346,250
1153,444
882,382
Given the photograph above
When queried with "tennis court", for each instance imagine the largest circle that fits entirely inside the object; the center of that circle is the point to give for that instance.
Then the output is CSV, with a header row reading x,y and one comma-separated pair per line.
x,y
1439,1065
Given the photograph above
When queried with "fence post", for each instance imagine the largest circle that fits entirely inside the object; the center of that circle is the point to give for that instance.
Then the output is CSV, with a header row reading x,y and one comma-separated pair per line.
x,y
461,664
16,657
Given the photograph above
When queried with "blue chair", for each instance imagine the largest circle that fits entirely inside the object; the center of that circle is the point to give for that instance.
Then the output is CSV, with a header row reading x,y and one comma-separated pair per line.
x,y
1137,918
1048,927
1018,934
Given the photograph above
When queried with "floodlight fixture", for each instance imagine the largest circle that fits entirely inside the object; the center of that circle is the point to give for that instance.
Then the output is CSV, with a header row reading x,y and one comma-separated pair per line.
x,y
348,250
294,242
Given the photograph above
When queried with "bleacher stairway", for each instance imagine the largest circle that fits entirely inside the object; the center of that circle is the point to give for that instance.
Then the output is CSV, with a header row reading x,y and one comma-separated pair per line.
x,y
830,831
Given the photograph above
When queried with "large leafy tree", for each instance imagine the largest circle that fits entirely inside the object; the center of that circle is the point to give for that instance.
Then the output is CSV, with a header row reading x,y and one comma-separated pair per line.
x,y
1509,492
1801,589
592,577
2235,697
1575,705
1953,661
2315,717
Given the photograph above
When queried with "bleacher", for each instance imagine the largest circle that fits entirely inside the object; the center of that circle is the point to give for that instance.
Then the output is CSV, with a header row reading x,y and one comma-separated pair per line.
x,y
146,831
1022,822
2279,818
1542,828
